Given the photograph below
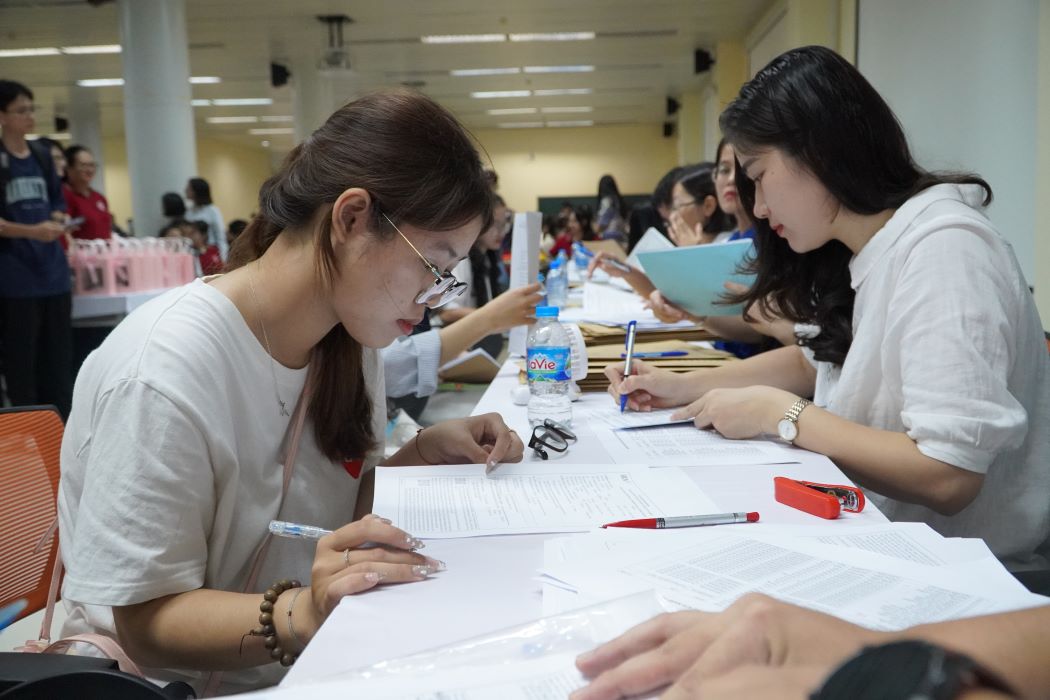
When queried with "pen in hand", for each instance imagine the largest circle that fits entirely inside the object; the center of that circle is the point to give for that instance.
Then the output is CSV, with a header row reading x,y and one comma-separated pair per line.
x,y
632,328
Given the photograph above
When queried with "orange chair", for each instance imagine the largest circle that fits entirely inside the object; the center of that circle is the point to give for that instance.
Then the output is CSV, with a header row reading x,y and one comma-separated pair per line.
x,y
30,442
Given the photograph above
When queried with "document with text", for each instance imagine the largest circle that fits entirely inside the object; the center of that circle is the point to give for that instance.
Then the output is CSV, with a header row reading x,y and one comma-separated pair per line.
x,y
685,446
461,501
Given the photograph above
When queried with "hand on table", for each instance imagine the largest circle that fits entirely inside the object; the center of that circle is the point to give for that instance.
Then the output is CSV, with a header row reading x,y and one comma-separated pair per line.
x,y
483,439
757,648
648,387
739,413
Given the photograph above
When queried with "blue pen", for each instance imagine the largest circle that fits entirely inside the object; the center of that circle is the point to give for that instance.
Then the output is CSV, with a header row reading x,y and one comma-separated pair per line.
x,y
632,328
649,355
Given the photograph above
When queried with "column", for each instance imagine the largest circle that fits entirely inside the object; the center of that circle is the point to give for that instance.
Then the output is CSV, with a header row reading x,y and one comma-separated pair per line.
x,y
158,116
691,144
310,103
85,129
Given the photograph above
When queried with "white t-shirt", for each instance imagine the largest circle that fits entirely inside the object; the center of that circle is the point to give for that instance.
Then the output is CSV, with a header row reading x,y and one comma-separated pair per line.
x,y
948,348
171,468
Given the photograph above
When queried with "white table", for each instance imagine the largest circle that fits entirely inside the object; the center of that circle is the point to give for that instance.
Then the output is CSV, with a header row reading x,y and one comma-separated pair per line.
x,y
108,309
489,583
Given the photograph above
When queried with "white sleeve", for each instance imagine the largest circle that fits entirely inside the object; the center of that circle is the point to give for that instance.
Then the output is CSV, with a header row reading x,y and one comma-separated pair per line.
x,y
952,329
411,364
147,506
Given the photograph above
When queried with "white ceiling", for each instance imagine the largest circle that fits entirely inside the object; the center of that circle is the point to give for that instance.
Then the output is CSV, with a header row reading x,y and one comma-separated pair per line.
x,y
643,52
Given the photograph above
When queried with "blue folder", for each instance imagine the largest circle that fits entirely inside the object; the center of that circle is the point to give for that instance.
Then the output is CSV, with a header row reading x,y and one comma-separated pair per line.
x,y
693,277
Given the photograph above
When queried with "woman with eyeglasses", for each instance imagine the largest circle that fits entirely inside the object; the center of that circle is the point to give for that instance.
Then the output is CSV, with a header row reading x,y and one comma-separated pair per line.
x,y
928,370
82,201
179,448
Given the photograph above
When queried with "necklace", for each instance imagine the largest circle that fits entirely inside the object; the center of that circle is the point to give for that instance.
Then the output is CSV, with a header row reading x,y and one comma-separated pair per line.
x,y
266,339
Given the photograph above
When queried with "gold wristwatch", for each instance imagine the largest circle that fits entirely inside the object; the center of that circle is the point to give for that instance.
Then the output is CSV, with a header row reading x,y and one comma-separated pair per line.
x,y
787,428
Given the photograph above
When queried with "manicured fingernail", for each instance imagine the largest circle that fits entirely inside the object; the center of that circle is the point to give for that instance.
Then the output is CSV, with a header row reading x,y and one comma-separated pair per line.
x,y
414,543
374,576
436,564
421,571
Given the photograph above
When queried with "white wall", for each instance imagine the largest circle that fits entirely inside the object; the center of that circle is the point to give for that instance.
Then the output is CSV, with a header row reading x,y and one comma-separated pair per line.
x,y
961,76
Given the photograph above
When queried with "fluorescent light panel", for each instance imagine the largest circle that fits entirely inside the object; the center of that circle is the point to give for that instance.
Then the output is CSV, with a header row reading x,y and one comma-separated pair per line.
x,y
58,51
559,69
500,93
200,103
242,102
43,51
585,122
562,91
232,120
567,110
100,48
462,38
520,125
269,132
512,110
277,118
469,72
117,82
553,36
205,80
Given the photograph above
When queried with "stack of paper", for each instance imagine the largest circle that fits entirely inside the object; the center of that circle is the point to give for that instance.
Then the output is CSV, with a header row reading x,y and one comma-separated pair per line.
x,y
884,577
601,356
606,333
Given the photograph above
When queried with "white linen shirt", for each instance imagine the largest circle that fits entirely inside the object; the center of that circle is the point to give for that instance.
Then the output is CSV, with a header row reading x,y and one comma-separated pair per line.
x,y
171,467
948,348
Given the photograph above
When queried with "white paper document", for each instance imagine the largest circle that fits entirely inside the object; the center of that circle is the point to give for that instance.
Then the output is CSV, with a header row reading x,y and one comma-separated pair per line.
x,y
650,241
524,266
683,445
710,569
461,501
607,414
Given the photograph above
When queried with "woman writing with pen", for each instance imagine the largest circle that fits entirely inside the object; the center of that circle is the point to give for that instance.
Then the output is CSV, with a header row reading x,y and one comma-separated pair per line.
x,y
258,394
928,369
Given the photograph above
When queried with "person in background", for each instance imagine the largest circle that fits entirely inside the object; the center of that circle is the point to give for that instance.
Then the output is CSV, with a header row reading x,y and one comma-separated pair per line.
x,y
763,648
654,213
728,196
82,202
198,192
58,156
208,260
612,211
928,370
174,207
575,226
36,335
235,229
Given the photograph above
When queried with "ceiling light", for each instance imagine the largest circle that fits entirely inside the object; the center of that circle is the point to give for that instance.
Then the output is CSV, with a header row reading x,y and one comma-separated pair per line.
x,y
200,103
520,125
101,82
43,51
567,110
468,72
462,38
270,132
500,93
586,122
265,144
205,80
232,120
242,102
559,69
513,110
553,36
562,91
277,118
100,48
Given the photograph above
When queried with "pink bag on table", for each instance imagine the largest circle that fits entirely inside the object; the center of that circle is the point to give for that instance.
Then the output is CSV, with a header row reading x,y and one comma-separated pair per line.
x,y
118,266
89,267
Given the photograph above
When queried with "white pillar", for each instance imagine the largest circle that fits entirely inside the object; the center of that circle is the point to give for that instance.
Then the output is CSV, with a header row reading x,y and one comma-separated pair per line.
x,y
311,98
85,129
158,116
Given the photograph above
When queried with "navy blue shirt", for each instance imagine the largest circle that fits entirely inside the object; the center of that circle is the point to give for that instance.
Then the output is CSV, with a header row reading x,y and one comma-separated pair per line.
x,y
30,268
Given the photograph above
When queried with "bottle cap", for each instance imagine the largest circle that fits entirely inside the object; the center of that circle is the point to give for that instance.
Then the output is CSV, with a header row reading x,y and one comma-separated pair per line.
x,y
546,311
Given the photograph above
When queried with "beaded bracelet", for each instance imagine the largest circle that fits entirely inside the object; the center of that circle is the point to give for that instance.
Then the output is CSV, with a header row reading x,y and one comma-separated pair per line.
x,y
266,626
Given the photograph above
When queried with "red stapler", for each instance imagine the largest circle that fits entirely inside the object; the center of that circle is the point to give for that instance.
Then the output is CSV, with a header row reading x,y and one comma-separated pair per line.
x,y
822,500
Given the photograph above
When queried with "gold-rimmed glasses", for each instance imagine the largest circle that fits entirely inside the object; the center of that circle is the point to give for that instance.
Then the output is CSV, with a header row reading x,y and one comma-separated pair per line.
x,y
445,288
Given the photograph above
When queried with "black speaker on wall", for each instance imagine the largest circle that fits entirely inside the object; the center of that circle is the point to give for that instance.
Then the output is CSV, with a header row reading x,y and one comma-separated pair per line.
x,y
279,75
702,61
668,129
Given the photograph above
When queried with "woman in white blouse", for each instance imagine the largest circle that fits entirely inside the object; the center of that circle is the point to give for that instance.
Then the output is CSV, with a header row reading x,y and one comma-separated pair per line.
x,y
929,373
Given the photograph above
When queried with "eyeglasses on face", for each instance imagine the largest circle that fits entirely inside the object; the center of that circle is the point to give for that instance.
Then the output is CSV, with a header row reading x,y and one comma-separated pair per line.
x,y
675,206
445,288
550,435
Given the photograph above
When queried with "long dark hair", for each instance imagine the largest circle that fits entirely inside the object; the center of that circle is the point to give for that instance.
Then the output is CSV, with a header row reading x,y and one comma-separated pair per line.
x,y
816,108
421,169
607,188
699,182
173,205
201,191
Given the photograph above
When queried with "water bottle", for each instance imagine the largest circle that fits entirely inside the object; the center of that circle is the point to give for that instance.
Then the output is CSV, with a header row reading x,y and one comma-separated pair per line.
x,y
581,256
549,365
558,283
543,288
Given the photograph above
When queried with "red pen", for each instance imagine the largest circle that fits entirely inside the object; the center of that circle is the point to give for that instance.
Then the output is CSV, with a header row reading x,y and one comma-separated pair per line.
x,y
686,521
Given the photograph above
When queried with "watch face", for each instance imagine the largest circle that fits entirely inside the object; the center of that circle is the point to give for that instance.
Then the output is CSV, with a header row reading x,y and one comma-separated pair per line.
x,y
788,429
